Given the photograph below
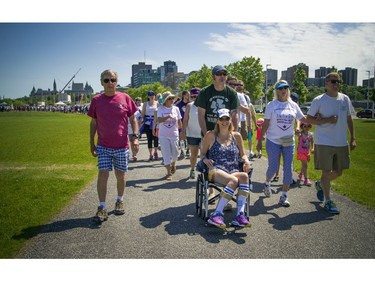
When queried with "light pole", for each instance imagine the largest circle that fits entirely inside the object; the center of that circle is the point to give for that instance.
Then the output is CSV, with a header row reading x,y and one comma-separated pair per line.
x,y
267,65
368,88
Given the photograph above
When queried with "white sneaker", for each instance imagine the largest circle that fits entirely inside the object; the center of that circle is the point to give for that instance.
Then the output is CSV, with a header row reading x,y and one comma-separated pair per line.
x,y
267,190
284,201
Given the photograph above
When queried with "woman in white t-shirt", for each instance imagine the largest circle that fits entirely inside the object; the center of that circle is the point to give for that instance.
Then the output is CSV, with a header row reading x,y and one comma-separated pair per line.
x,y
169,121
278,127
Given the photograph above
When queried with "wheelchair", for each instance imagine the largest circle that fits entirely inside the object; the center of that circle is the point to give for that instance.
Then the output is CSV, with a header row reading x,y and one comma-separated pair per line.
x,y
202,201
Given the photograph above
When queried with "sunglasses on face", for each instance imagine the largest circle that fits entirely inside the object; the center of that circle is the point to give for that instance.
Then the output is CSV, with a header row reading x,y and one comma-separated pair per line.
x,y
193,96
333,81
283,88
306,126
221,74
113,80
170,98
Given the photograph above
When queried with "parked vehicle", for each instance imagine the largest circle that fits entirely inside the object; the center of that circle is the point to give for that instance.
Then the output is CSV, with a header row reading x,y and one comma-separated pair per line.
x,y
305,107
366,113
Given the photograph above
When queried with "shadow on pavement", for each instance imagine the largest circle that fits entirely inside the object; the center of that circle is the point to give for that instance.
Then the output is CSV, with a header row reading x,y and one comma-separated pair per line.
x,y
287,222
57,226
182,220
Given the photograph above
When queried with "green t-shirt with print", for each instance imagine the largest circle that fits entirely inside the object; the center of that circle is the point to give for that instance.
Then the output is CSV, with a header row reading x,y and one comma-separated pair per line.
x,y
213,100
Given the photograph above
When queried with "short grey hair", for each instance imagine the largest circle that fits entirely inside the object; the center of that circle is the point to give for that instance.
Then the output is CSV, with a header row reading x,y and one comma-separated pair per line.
x,y
108,71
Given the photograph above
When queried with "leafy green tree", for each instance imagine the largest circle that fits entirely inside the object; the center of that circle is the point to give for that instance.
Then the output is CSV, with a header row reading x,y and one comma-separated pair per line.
x,y
299,84
199,79
250,71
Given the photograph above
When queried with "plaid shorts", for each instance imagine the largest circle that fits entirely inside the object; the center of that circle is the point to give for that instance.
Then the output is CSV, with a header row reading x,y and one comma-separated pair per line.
x,y
109,157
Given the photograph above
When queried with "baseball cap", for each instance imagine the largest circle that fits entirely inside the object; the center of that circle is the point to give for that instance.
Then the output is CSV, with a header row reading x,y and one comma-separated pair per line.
x,y
218,68
194,91
223,112
150,93
282,84
294,97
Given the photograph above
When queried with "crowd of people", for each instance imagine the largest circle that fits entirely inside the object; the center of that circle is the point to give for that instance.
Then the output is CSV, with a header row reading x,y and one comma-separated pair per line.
x,y
212,124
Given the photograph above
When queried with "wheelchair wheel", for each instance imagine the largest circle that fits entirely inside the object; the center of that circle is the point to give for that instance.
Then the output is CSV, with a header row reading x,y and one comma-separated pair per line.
x,y
199,195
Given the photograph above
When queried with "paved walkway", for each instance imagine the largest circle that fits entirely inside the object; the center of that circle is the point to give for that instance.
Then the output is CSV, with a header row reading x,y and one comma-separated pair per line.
x,y
160,222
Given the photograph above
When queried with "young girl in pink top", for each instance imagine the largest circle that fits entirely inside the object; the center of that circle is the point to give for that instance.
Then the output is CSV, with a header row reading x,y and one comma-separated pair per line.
x,y
305,145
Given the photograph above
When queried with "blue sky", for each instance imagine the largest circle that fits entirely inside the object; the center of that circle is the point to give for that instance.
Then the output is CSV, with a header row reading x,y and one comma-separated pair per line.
x,y
34,54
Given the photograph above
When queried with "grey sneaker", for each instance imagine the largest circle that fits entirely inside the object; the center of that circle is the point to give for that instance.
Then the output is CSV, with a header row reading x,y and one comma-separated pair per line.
x,y
284,201
119,208
331,208
101,215
267,190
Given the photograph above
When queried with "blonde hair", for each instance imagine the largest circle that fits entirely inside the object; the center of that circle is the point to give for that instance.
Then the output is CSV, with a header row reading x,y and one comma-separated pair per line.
x,y
275,91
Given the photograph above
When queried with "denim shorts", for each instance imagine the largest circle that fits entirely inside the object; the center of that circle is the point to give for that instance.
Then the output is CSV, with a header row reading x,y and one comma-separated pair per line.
x,y
193,141
109,158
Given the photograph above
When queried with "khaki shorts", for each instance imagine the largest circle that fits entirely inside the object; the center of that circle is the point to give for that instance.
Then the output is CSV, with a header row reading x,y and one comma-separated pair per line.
x,y
331,158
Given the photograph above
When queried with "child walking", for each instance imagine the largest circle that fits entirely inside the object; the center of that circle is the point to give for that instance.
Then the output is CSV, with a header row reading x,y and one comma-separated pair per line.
x,y
259,122
305,145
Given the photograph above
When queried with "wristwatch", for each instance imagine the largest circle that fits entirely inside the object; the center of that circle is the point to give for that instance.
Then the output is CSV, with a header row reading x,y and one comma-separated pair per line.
x,y
135,136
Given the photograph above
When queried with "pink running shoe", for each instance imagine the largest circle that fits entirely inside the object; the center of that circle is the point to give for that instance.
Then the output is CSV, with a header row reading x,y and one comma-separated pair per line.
x,y
241,221
307,182
216,219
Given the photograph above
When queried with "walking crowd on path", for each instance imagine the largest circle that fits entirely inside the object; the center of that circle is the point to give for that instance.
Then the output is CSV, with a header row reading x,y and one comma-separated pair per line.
x,y
213,124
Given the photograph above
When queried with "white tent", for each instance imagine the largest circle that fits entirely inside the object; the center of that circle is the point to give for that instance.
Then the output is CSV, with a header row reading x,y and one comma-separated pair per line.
x,y
60,103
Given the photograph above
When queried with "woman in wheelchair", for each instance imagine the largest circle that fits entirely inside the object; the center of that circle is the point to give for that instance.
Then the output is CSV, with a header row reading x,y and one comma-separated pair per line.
x,y
221,151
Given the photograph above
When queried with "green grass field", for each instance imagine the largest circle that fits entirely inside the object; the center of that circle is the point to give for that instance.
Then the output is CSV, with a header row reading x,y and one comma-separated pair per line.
x,y
45,160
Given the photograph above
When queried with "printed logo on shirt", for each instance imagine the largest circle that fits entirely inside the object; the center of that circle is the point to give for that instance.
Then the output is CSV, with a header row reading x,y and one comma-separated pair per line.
x,y
170,122
284,118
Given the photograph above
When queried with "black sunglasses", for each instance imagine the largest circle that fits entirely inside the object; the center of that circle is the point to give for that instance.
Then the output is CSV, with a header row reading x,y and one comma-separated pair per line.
x,y
113,80
220,74
333,81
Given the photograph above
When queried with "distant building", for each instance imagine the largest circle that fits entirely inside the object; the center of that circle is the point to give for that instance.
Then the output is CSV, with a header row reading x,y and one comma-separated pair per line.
x,y
288,74
173,79
366,82
145,76
136,68
322,72
319,82
78,92
271,76
349,76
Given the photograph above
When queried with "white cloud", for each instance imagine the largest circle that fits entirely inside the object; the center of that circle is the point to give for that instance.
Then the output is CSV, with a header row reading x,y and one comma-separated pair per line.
x,y
315,44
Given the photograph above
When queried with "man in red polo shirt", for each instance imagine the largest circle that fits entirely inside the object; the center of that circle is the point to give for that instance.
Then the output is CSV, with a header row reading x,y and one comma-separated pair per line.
x,y
110,111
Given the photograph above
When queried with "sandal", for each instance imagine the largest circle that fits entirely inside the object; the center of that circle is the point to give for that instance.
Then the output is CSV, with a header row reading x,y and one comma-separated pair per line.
x,y
168,177
173,169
